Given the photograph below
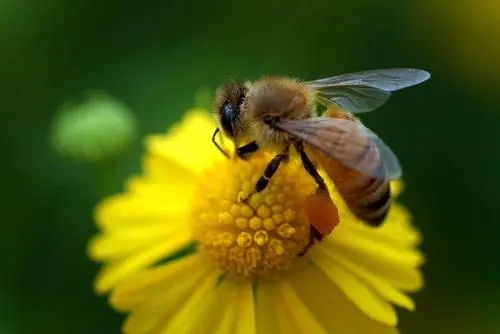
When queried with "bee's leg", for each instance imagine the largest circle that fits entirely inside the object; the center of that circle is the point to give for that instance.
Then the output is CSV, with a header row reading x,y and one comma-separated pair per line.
x,y
313,235
244,151
271,169
310,168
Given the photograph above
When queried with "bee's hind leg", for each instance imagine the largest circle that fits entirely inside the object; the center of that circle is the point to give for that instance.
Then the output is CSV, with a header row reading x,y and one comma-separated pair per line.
x,y
269,171
310,168
313,236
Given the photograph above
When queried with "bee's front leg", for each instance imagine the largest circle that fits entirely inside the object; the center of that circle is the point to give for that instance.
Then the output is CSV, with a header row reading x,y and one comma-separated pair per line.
x,y
243,152
269,171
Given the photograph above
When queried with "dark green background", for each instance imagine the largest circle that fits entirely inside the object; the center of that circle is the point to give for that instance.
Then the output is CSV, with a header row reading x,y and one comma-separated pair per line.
x,y
154,56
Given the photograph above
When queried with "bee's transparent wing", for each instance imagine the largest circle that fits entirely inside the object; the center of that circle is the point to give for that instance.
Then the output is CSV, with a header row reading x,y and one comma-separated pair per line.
x,y
364,91
384,79
354,99
347,142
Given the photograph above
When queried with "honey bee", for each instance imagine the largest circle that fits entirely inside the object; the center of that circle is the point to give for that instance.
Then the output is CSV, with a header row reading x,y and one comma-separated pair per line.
x,y
275,113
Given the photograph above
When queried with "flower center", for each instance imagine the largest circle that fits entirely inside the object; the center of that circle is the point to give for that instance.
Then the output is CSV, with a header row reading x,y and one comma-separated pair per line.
x,y
260,238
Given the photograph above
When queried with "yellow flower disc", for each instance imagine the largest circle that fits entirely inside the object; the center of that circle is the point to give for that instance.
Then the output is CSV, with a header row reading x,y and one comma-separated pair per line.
x,y
259,238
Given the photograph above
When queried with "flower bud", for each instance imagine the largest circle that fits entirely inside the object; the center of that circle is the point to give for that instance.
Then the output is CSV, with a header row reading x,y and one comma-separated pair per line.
x,y
95,130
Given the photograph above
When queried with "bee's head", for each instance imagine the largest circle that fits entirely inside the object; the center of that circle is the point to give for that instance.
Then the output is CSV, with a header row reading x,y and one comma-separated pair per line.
x,y
228,105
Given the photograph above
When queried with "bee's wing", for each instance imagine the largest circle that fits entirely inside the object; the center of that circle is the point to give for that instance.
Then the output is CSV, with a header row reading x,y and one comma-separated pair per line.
x,y
345,141
364,91
354,99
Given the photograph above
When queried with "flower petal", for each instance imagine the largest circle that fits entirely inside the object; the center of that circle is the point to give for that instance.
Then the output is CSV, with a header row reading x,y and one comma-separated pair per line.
x,y
157,295
119,211
162,175
396,230
232,310
245,324
121,243
286,323
113,273
332,309
379,284
273,314
187,317
146,292
358,291
139,287
224,311
397,263
188,143
265,310
302,316
397,187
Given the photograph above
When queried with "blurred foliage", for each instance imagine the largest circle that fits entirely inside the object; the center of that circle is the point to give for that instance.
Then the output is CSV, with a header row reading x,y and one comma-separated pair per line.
x,y
155,56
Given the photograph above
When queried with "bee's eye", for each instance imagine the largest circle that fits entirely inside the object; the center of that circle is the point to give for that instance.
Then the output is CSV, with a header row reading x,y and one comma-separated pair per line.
x,y
228,115
230,111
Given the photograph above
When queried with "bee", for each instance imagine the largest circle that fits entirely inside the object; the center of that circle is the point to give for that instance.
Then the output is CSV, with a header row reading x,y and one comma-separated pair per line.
x,y
276,113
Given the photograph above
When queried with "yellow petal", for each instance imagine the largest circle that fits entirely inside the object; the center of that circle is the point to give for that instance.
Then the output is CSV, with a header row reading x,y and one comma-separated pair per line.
x,y
158,166
397,187
229,309
273,314
358,291
245,323
188,143
163,175
196,305
138,287
113,273
185,318
118,211
232,311
399,265
286,323
156,295
302,316
222,318
123,242
379,284
265,309
396,229
332,309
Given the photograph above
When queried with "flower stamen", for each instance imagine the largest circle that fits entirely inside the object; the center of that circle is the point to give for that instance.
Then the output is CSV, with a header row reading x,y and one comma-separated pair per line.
x,y
258,238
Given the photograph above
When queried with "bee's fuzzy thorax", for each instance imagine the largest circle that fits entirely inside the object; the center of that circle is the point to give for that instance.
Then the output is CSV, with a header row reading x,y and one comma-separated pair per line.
x,y
279,97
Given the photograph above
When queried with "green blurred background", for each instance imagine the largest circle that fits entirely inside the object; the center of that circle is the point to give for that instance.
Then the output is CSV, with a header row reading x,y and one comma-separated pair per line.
x,y
155,56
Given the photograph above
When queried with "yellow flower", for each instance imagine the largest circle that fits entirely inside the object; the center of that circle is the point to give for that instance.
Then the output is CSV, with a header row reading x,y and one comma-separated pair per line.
x,y
181,254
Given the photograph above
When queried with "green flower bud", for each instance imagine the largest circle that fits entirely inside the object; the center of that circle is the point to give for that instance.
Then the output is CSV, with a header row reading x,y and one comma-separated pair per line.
x,y
96,130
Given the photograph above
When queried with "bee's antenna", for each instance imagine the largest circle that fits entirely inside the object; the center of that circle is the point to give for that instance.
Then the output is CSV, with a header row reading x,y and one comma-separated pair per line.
x,y
217,145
